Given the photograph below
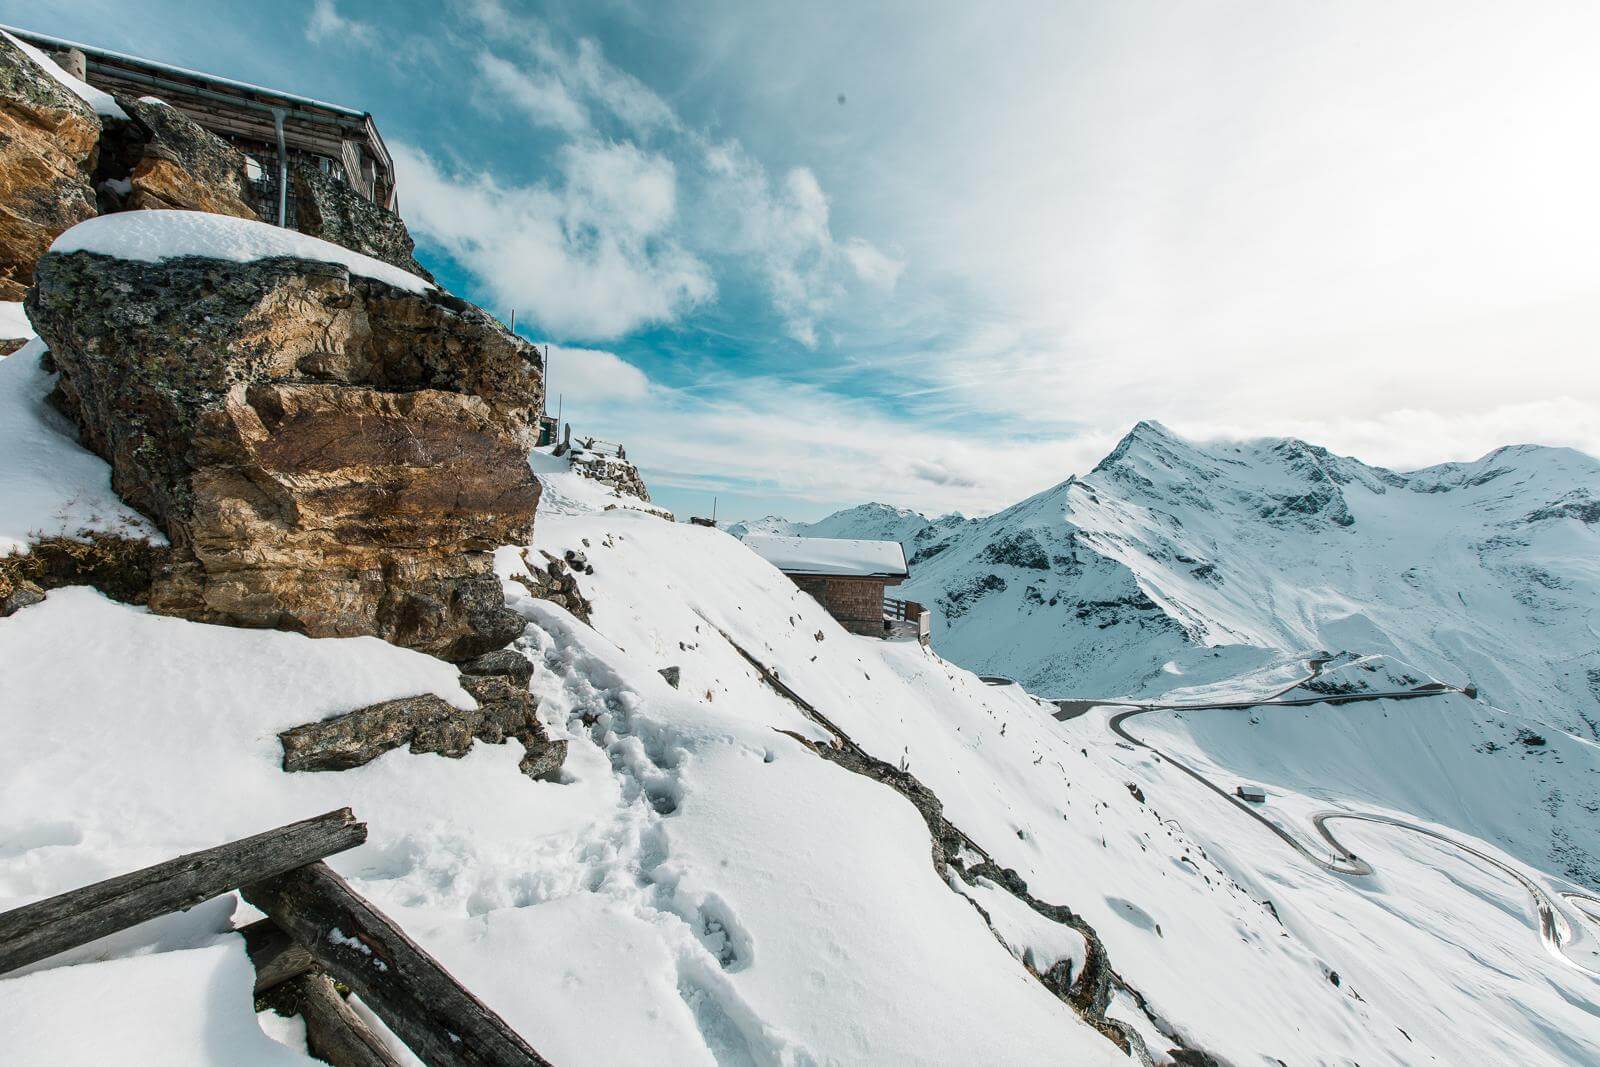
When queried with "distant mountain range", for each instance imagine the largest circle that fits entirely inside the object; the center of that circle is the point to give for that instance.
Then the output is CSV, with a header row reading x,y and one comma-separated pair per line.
x,y
1173,558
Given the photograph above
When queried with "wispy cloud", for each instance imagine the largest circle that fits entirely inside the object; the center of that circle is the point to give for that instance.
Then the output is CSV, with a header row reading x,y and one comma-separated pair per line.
x,y
326,24
589,255
535,95
784,226
647,210
549,70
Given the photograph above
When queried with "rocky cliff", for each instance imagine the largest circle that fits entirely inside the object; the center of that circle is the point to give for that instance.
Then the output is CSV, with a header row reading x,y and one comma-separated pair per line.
x,y
328,453
48,142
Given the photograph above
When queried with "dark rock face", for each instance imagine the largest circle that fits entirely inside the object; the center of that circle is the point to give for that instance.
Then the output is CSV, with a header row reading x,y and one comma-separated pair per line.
x,y
335,212
555,582
181,166
497,680
327,454
120,567
48,139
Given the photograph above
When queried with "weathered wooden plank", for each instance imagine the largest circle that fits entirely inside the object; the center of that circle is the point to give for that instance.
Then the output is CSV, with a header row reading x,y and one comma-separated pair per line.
x,y
277,957
335,1034
39,930
443,1023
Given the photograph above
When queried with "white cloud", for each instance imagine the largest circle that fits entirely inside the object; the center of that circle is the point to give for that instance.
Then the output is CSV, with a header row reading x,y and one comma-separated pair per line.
x,y
590,256
326,24
819,448
784,227
537,95
872,265
575,73
589,375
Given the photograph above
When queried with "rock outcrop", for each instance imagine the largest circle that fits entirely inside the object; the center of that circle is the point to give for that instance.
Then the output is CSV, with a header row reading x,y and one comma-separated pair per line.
x,y
48,139
327,453
177,165
611,470
498,681
556,582
335,212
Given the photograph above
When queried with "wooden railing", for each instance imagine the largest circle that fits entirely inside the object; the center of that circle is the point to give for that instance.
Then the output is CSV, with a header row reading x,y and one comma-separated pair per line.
x,y
318,931
901,610
907,618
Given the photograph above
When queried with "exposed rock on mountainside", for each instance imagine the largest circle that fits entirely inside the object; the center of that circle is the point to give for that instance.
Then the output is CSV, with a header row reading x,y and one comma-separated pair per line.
x,y
428,724
614,471
47,157
176,164
334,212
327,453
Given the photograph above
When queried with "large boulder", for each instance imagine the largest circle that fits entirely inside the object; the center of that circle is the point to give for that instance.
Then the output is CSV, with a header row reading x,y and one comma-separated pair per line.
x,y
47,156
177,165
327,453
335,212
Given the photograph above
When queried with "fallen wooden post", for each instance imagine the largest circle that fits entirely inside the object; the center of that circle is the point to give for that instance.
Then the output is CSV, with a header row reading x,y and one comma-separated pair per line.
x,y
277,958
37,931
335,1034
443,1023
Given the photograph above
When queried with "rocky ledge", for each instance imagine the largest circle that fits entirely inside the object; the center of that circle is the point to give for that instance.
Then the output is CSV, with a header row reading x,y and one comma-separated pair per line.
x,y
327,453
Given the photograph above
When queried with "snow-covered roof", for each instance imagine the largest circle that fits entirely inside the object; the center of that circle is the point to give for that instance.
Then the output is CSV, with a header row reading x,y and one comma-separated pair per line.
x,y
151,236
831,555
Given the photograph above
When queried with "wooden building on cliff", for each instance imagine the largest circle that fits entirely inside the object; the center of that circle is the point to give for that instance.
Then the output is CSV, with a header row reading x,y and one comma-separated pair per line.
x,y
849,579
278,132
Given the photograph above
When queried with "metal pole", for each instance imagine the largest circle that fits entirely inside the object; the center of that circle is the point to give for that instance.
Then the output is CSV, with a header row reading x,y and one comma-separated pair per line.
x,y
283,168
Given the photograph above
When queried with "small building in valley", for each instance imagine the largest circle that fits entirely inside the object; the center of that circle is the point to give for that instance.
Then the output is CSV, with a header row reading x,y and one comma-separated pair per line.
x,y
846,577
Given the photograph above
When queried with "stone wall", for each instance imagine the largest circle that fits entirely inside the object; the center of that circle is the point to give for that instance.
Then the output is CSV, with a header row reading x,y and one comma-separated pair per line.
x,y
856,602
610,470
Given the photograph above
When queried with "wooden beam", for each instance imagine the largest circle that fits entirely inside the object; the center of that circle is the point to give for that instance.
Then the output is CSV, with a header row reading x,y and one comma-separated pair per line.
x,y
335,1034
276,956
42,929
429,1010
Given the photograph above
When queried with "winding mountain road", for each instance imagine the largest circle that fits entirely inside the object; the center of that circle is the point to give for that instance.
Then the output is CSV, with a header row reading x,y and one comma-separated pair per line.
x,y
1557,932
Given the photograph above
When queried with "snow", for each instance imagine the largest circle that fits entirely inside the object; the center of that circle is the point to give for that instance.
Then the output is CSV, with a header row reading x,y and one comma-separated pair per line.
x,y
102,102
830,555
152,236
1040,942
14,322
702,887
183,1007
49,484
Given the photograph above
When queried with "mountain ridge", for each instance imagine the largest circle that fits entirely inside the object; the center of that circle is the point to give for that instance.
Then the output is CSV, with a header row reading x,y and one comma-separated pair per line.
x,y
1476,570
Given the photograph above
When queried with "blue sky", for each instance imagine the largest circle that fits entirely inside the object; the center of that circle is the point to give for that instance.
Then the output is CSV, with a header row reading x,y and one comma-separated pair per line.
x,y
943,255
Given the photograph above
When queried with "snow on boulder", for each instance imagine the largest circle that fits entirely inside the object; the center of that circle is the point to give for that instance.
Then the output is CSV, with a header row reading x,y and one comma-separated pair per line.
x,y
50,485
155,236
102,102
15,329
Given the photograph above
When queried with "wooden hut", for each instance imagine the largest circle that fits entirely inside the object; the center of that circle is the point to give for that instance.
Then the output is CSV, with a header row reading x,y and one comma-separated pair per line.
x,y
275,130
846,577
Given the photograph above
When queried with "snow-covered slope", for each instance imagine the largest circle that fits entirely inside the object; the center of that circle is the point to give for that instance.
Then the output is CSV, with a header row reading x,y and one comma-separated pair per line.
x,y
1121,581
714,880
